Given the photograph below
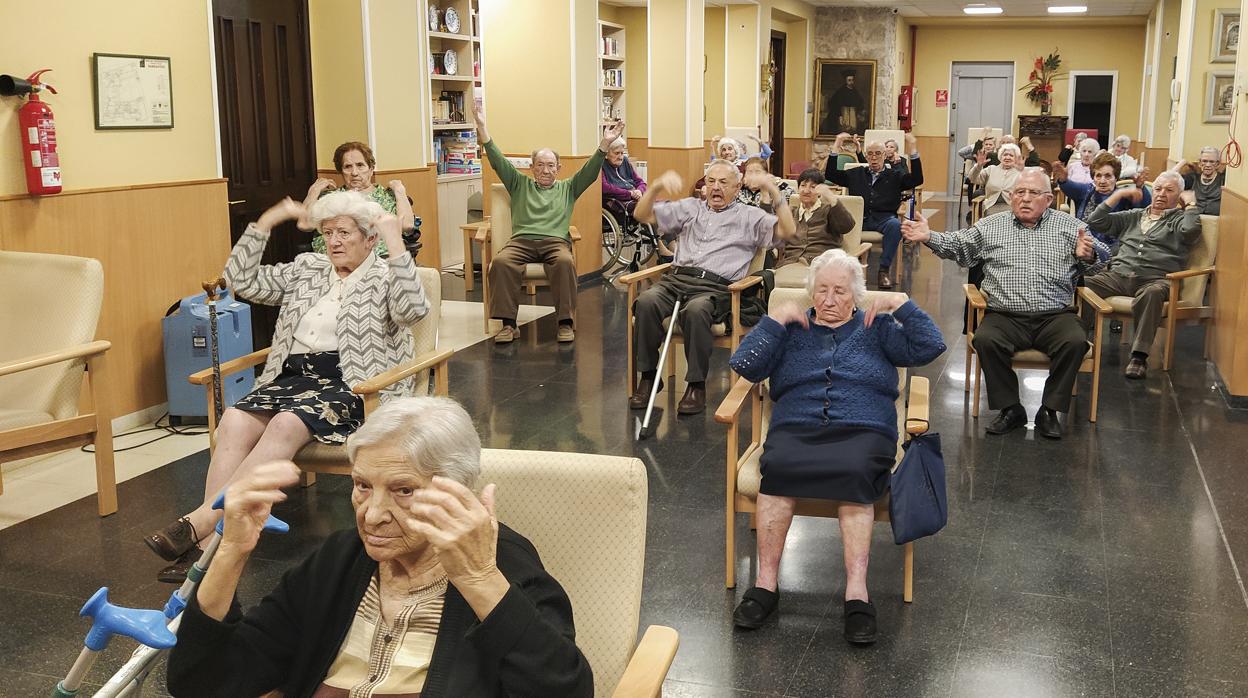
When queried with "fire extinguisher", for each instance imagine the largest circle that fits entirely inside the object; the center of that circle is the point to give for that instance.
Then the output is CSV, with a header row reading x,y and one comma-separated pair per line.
x,y
905,106
38,133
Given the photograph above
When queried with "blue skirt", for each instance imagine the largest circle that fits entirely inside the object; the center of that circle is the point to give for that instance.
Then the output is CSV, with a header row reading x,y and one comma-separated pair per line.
x,y
844,463
310,387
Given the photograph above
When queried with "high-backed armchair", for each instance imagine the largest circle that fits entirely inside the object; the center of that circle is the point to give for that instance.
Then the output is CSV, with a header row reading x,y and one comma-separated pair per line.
x,y
586,515
743,474
493,234
316,457
49,307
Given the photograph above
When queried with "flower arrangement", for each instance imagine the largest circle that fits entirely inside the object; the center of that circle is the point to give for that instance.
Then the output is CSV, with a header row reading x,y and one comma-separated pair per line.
x,y
1039,87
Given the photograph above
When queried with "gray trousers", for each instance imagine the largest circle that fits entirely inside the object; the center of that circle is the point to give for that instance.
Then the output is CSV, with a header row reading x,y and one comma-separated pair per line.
x,y
696,309
507,275
1149,296
1058,335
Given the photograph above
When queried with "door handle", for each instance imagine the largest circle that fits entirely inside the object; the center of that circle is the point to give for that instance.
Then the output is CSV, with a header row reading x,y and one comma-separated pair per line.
x,y
237,201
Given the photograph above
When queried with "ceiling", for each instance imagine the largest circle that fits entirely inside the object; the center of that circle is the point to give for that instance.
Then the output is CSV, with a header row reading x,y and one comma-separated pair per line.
x,y
953,8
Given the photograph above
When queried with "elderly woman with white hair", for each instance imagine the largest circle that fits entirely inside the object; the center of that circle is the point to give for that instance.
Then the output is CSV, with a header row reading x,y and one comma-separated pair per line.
x,y
1119,148
1080,171
429,594
1206,180
997,180
345,317
620,182
831,371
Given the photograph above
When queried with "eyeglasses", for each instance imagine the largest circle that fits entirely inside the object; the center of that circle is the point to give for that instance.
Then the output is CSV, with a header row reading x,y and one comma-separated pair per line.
x,y
343,235
1027,193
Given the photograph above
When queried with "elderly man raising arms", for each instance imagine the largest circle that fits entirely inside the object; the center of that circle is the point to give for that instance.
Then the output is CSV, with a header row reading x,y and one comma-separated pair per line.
x,y
541,209
717,240
881,190
1153,242
1031,256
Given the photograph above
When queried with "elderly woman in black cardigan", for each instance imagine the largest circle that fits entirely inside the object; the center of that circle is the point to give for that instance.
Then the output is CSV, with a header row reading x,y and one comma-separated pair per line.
x,y
429,596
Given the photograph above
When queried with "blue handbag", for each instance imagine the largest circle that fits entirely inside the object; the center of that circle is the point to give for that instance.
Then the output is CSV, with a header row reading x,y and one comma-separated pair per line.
x,y
918,505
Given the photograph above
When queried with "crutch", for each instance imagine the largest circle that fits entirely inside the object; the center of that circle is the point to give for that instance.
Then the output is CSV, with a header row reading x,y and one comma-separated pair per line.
x,y
644,429
210,289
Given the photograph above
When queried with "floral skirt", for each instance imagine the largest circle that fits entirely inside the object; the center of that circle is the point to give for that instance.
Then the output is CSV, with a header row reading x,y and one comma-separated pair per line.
x,y
310,387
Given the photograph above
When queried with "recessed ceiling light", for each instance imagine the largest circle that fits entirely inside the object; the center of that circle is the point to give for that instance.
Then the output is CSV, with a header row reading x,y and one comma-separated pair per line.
x,y
981,10
1068,9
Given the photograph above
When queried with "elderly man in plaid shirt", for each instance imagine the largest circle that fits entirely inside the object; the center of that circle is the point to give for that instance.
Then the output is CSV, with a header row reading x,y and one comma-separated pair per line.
x,y
1032,256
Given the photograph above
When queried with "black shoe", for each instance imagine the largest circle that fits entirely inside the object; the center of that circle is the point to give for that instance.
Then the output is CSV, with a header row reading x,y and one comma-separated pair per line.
x,y
1047,424
693,402
1137,369
172,541
176,573
1008,420
860,622
757,605
641,396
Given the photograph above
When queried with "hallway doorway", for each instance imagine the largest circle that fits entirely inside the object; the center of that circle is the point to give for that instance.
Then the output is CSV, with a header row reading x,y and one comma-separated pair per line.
x,y
1092,98
775,104
980,95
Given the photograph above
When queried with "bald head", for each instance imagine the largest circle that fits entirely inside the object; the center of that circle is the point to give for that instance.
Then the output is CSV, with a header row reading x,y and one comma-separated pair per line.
x,y
545,166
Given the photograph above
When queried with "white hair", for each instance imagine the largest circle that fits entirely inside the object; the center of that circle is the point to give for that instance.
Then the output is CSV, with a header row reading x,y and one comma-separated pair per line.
x,y
1123,140
434,434
1210,149
1171,174
720,162
1091,142
875,144
619,142
352,204
838,259
1010,147
1038,172
737,146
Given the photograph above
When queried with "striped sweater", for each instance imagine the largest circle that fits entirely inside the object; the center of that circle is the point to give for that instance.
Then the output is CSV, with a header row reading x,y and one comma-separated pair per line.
x,y
373,319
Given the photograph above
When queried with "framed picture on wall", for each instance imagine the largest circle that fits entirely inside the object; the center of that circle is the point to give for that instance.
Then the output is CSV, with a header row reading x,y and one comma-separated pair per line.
x,y
844,97
1225,35
1219,96
132,91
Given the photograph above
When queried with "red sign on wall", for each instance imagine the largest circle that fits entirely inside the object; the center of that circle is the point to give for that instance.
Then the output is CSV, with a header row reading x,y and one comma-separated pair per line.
x,y
942,98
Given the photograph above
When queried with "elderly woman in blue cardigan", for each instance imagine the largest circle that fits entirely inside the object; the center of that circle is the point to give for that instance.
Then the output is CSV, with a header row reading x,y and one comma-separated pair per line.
x,y
832,373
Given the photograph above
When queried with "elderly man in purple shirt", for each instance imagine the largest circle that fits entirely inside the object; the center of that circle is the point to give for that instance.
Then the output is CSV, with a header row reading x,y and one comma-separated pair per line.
x,y
717,238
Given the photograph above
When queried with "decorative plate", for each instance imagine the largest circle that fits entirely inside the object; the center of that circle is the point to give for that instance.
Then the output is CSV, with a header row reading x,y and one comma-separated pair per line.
x,y
433,18
451,17
450,62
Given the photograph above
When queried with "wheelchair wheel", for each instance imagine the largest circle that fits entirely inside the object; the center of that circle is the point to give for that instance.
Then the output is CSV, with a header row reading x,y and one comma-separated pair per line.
x,y
642,242
612,242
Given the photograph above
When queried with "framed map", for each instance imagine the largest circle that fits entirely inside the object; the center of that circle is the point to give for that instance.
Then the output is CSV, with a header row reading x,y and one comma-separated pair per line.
x,y
132,91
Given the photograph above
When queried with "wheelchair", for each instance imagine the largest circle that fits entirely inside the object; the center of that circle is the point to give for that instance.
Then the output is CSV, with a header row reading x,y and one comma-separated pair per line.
x,y
627,244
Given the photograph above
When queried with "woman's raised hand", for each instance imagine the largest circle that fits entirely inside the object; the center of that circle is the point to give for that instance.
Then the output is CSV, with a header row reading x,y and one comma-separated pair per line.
x,y
249,500
285,210
883,304
461,528
320,185
388,227
790,313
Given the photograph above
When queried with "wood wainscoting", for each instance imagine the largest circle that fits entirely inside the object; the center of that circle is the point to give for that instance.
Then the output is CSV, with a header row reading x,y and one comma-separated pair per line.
x,y
1156,160
639,149
1230,295
586,215
934,151
797,150
689,163
421,184
157,243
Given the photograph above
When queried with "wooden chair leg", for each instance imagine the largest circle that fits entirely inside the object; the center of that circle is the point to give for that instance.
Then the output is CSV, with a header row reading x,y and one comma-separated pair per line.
x,y
105,469
1171,326
753,520
730,549
966,374
907,593
306,478
975,388
468,274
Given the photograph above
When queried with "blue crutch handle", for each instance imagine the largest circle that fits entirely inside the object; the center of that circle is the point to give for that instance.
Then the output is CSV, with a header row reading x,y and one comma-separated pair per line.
x,y
142,625
271,525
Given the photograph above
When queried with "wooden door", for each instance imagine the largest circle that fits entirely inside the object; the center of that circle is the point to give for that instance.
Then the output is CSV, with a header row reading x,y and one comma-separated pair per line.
x,y
264,95
776,98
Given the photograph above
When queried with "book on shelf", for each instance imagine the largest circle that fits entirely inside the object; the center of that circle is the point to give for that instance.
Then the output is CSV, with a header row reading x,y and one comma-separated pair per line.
x,y
609,46
456,152
612,77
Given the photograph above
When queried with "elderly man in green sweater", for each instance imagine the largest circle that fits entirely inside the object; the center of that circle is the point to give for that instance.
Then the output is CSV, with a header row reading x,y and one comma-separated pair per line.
x,y
541,210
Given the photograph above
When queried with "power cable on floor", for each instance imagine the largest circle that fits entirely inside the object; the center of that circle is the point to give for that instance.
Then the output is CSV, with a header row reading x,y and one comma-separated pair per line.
x,y
157,426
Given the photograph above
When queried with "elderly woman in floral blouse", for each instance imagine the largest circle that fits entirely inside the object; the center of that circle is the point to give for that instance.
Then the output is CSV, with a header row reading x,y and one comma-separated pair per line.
x,y
355,162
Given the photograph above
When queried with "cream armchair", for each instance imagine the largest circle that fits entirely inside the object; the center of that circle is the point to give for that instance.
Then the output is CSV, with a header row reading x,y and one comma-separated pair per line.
x,y
794,275
316,457
49,308
586,515
743,474
493,234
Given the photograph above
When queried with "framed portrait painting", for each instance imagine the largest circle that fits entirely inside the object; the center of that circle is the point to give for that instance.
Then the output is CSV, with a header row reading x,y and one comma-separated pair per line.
x,y
1219,96
844,97
1225,35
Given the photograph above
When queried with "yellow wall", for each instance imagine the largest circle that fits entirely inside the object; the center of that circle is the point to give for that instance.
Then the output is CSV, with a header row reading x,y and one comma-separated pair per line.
x,y
741,63
1237,178
609,13
713,85
336,39
1196,133
401,137
1083,46
903,55
508,31
636,71
795,19
1163,67
676,49
62,36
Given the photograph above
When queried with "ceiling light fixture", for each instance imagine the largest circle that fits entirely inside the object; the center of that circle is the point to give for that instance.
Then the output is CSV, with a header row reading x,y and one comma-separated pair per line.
x,y
1068,9
981,10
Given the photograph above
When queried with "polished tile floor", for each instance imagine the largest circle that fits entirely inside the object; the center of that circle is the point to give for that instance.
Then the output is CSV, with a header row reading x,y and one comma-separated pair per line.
x,y
1109,563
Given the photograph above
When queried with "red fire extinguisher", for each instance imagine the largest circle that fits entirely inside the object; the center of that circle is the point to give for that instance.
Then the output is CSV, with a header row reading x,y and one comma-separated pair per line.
x,y
905,106
38,133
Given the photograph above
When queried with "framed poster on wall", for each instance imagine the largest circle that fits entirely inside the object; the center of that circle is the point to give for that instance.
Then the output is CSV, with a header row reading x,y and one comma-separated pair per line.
x,y
1219,96
132,91
1225,36
844,97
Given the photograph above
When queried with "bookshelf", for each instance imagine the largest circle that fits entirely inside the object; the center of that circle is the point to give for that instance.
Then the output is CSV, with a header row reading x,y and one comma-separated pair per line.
x,y
611,71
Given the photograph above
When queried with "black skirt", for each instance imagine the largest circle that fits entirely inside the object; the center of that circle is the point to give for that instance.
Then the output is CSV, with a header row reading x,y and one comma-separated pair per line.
x,y
310,387
844,463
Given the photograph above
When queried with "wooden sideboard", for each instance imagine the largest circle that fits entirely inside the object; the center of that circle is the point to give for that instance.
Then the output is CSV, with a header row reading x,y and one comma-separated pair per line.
x,y
1046,133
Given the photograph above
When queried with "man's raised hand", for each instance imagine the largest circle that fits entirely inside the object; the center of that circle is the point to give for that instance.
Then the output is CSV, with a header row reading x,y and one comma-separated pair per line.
x,y
916,230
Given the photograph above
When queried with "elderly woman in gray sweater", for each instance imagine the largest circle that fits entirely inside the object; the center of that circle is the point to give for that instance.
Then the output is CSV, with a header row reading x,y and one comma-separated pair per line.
x,y
345,317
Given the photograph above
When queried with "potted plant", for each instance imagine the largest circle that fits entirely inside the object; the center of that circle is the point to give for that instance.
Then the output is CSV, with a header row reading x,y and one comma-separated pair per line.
x,y
1039,87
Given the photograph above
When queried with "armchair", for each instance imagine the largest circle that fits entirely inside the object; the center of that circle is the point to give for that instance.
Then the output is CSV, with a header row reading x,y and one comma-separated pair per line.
x,y
586,515
794,275
50,305
743,467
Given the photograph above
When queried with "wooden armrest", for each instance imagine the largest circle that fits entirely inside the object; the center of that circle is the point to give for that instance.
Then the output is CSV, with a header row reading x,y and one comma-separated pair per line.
x,y
646,671
255,358
975,297
423,362
1091,298
80,351
977,200
636,276
1188,273
863,248
483,232
916,406
739,286
576,234
730,408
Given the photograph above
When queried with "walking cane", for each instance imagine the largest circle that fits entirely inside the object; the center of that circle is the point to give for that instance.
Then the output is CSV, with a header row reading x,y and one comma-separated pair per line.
x,y
644,429
210,288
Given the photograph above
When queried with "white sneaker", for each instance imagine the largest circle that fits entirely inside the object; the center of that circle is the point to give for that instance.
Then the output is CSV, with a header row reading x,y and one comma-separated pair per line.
x,y
508,335
566,334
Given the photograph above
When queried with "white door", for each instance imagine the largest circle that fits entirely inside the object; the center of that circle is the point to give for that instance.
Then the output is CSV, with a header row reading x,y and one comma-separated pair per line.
x,y
980,95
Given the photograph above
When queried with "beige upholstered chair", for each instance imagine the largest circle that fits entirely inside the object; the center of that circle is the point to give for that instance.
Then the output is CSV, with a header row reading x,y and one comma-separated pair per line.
x,y
743,474
586,515
1187,292
316,457
493,234
49,307
794,275
977,305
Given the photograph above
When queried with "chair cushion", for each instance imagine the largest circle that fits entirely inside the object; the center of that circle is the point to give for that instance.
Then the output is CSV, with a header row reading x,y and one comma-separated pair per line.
x,y
873,237
1035,356
1122,304
12,419
750,475
719,329
792,275
534,272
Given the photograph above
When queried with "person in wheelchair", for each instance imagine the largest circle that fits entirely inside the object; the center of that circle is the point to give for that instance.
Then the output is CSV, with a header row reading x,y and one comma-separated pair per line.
x,y
718,239
620,183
